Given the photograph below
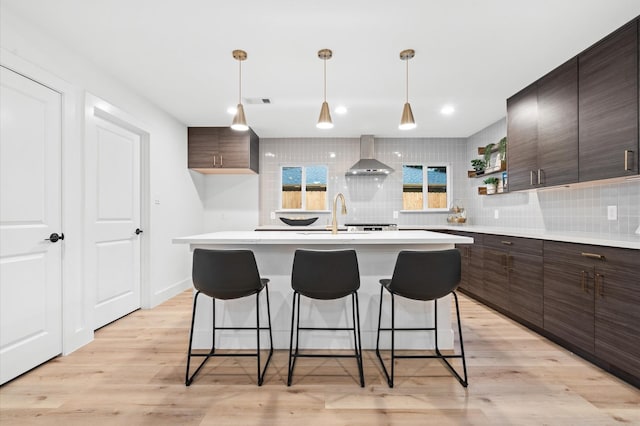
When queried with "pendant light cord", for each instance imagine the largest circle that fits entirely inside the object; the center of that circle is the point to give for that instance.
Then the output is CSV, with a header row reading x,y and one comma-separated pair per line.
x,y
325,79
407,61
240,85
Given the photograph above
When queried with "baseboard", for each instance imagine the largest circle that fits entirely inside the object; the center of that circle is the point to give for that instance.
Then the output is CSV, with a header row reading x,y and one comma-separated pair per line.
x,y
168,292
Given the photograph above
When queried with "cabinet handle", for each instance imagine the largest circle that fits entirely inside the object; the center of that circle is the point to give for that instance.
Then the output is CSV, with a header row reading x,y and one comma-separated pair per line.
x,y
510,262
531,177
503,261
626,160
539,176
214,160
508,243
599,282
593,256
583,280
220,160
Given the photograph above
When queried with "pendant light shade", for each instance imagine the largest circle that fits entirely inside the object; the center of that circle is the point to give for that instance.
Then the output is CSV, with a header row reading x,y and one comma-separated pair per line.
x,y
407,121
324,121
239,120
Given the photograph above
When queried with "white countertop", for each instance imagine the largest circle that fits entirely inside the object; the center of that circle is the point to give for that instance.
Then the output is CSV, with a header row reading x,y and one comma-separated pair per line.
x,y
306,237
621,241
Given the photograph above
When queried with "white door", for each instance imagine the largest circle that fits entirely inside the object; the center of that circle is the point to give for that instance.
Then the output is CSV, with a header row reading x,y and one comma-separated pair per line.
x,y
113,215
30,211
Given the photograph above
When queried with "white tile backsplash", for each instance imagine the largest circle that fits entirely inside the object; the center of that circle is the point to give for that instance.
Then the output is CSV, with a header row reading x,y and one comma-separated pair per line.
x,y
579,208
370,199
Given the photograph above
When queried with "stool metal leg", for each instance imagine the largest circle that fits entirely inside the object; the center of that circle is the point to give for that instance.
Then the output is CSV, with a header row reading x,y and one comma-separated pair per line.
x,y
292,359
258,329
188,380
357,341
384,369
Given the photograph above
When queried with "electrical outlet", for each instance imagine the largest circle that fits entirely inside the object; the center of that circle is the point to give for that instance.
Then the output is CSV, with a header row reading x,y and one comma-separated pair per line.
x,y
273,215
612,212
395,214
496,214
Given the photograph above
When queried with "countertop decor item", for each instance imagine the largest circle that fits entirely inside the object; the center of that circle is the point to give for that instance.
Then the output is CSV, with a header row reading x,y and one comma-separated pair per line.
x,y
299,221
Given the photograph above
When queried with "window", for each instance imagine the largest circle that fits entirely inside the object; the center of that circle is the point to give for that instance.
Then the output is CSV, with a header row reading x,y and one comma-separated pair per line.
x,y
304,187
432,179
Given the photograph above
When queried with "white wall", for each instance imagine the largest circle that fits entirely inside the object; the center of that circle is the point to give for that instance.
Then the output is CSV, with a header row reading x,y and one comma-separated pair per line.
x,y
231,202
178,210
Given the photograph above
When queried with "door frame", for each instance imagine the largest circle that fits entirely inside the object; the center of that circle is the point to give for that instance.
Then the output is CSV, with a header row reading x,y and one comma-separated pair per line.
x,y
76,331
106,111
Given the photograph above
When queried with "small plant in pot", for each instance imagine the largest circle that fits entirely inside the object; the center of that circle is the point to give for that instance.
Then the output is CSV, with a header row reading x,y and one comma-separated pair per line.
x,y
478,165
492,184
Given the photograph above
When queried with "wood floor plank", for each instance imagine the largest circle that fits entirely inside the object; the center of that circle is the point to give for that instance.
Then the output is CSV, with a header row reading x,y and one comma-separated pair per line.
x,y
133,374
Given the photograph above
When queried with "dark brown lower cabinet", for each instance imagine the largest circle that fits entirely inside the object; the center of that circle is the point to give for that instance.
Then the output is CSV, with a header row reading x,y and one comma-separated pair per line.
x,y
592,302
472,264
513,276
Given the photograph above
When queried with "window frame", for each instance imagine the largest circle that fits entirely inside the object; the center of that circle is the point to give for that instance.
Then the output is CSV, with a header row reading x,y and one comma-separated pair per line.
x,y
425,187
303,188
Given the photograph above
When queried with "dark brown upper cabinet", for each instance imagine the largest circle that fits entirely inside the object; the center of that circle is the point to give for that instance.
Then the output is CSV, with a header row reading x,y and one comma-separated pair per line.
x,y
223,150
522,138
580,121
558,126
542,131
608,109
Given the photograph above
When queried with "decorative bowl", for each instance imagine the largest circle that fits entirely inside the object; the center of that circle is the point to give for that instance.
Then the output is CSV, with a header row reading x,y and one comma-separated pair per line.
x,y
298,221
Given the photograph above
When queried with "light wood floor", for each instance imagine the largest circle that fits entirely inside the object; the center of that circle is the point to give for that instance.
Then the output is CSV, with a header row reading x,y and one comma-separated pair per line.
x,y
133,374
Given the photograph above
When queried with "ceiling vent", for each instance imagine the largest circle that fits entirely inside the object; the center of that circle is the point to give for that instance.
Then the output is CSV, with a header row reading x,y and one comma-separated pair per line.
x,y
257,101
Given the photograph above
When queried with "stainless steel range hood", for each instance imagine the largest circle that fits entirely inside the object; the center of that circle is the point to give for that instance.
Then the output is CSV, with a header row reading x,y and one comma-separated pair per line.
x,y
367,165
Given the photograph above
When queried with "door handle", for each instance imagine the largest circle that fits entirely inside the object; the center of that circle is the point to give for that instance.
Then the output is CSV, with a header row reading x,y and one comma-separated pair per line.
x,y
55,237
138,231
599,282
626,160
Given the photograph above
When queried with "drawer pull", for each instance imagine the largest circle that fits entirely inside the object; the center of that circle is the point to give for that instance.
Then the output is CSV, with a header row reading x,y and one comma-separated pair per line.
x,y
593,256
508,243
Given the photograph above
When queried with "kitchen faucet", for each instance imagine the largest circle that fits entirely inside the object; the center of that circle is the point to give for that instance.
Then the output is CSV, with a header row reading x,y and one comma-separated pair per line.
x,y
334,219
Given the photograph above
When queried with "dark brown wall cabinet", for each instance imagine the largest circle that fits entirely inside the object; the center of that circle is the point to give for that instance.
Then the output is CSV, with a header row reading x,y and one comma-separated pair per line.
x,y
580,121
542,131
608,111
222,150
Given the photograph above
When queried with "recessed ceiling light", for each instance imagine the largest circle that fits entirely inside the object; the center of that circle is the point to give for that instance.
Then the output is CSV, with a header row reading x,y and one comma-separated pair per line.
x,y
447,110
341,109
232,110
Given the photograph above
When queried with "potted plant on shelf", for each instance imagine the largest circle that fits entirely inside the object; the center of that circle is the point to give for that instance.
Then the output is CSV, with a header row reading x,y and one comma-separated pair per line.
x,y
487,155
492,184
478,165
502,151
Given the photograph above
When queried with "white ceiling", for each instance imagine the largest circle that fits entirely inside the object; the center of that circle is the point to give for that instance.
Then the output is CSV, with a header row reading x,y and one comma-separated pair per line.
x,y
471,54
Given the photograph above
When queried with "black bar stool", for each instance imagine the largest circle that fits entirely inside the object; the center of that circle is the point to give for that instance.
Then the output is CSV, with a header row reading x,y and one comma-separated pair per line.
x,y
228,274
325,275
423,275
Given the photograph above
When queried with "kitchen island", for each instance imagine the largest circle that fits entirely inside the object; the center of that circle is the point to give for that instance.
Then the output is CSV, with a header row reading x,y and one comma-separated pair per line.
x,y
376,251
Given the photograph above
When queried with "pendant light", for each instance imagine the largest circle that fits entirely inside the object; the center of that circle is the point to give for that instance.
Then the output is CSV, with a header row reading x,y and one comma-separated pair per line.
x,y
324,122
407,122
239,120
